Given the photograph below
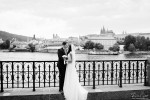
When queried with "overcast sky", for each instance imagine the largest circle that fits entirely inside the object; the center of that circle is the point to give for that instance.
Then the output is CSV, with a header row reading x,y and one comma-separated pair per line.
x,y
73,17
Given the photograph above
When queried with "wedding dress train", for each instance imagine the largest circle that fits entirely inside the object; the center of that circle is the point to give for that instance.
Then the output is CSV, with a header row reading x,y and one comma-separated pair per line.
x,y
72,88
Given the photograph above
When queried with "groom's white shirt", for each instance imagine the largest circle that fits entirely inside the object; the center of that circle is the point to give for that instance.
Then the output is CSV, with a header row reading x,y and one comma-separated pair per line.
x,y
66,50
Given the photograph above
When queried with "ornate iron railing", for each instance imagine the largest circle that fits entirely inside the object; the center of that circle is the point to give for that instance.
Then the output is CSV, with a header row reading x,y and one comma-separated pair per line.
x,y
35,74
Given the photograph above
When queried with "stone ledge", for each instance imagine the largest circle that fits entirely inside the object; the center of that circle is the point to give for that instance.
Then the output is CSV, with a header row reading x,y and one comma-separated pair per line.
x,y
102,92
113,95
120,95
33,97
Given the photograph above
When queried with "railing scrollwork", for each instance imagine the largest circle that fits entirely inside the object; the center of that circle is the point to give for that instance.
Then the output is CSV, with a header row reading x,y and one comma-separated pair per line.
x,y
36,74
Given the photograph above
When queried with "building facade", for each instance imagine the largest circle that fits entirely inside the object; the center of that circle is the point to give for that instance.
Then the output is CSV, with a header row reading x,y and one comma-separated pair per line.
x,y
1,41
106,38
106,32
121,37
105,41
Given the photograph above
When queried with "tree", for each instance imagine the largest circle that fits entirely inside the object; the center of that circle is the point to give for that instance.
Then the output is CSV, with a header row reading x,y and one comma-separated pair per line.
x,y
31,47
98,46
138,43
89,45
148,48
120,42
148,43
129,40
5,45
142,43
115,47
131,48
111,48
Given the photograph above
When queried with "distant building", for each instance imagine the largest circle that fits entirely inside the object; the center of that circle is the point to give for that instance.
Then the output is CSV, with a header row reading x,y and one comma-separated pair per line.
x,y
106,41
121,37
55,41
107,32
73,40
106,38
92,35
18,44
146,35
52,45
34,41
34,37
55,36
1,41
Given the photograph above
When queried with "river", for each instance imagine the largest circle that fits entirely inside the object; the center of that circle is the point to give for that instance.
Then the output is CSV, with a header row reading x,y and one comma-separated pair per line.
x,y
37,56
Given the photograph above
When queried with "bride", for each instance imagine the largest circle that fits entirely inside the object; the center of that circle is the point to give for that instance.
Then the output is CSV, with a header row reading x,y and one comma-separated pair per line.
x,y
72,88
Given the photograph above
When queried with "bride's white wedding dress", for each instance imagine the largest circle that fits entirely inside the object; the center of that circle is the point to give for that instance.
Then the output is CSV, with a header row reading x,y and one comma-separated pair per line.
x,y
72,88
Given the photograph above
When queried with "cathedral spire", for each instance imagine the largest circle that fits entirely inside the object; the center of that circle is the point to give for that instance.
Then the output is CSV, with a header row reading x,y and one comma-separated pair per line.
x,y
34,37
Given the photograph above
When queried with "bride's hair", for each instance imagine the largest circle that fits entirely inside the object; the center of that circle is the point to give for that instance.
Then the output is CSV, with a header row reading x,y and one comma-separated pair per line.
x,y
69,50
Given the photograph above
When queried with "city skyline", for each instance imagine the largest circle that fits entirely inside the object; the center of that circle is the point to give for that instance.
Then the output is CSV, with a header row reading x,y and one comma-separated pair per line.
x,y
73,17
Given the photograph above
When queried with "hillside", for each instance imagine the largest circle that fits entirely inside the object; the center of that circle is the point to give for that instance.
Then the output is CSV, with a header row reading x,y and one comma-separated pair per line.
x,y
5,35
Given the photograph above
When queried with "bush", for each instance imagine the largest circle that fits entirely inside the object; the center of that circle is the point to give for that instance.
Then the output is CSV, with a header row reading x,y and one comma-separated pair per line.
x,y
115,47
5,45
98,46
131,48
89,45
92,45
31,47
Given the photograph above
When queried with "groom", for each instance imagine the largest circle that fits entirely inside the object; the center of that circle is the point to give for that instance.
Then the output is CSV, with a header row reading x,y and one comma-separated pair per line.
x,y
61,64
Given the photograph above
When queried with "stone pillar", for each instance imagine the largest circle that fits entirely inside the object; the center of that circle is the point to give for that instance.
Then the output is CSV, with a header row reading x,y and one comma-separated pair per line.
x,y
148,72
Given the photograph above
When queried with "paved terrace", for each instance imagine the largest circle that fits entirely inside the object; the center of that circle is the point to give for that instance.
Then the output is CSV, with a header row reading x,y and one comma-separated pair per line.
x,y
102,92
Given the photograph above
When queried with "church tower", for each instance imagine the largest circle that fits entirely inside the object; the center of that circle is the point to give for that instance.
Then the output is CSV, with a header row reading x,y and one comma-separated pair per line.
x,y
103,31
34,37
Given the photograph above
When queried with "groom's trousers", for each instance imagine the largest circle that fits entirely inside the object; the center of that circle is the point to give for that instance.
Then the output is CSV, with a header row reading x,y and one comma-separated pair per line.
x,y
62,71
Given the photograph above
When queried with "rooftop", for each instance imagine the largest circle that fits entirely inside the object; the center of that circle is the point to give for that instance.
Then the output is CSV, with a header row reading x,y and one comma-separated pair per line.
x,y
102,38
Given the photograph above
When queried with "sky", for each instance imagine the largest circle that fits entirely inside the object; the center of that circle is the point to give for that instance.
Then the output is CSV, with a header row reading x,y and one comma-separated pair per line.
x,y
73,17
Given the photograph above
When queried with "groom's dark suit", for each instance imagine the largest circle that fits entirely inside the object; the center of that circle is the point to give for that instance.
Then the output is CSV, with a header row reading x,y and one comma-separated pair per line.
x,y
61,67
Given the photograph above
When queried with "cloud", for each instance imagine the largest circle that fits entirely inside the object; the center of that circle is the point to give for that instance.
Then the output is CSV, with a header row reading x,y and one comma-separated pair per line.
x,y
26,24
73,17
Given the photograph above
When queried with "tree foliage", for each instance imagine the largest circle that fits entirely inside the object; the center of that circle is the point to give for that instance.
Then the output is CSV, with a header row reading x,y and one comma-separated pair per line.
x,y
140,43
131,48
92,45
9,36
31,47
98,46
89,45
115,47
5,45
129,40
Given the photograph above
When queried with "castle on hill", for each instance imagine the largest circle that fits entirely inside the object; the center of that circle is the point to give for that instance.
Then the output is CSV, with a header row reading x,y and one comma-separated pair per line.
x,y
106,32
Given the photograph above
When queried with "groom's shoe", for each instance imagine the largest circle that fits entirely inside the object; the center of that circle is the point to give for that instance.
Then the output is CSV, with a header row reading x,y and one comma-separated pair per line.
x,y
61,91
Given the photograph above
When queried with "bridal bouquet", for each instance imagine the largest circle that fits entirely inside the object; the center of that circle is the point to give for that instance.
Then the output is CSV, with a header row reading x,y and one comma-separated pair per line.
x,y
65,58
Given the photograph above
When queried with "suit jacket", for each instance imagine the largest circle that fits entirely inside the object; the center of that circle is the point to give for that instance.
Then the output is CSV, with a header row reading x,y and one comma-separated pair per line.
x,y
61,52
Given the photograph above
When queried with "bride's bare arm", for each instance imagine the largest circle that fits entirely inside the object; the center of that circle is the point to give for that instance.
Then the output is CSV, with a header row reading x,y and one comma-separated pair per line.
x,y
70,58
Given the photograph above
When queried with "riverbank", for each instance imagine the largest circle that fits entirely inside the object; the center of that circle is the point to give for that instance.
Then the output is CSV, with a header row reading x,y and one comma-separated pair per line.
x,y
82,51
137,52
39,56
4,50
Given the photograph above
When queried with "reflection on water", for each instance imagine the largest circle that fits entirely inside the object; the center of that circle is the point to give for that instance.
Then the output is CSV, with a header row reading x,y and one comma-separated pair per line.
x,y
28,56
132,55
117,57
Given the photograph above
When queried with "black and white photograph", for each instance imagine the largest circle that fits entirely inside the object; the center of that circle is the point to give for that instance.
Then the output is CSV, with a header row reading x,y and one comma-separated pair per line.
x,y
74,49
